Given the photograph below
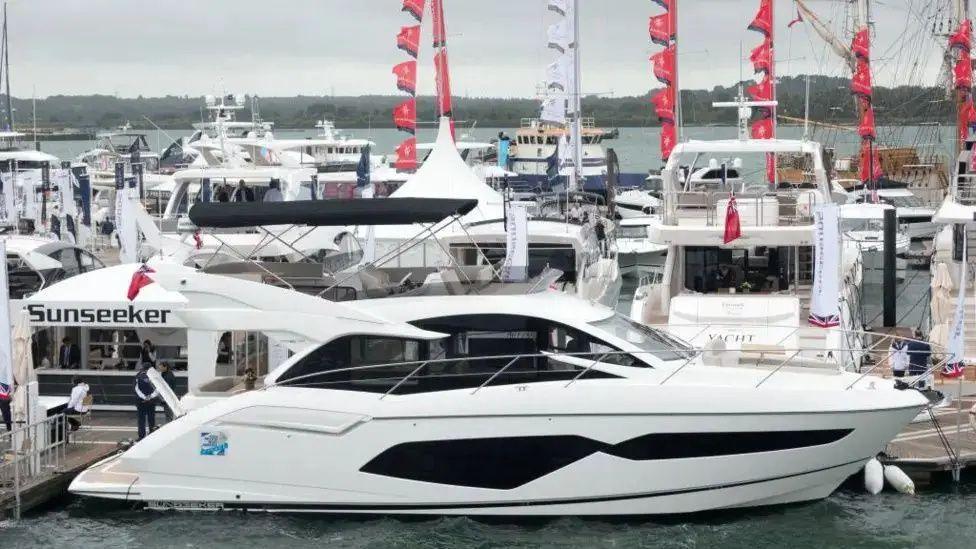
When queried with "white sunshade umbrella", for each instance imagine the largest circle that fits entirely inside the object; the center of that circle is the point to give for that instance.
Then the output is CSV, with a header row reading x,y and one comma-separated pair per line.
x,y
23,366
943,301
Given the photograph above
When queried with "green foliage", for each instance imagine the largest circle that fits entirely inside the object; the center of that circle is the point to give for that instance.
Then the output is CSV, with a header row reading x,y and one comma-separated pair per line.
x,y
830,101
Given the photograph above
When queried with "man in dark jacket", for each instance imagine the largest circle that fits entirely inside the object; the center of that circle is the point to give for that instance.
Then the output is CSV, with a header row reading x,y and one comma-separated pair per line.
x,y
69,356
146,395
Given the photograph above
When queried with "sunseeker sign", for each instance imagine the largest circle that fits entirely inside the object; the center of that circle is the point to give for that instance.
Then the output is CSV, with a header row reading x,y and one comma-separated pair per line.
x,y
40,314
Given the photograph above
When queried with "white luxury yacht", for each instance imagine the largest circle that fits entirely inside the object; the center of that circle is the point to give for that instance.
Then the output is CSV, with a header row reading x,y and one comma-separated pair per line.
x,y
556,239
862,227
122,145
754,292
482,405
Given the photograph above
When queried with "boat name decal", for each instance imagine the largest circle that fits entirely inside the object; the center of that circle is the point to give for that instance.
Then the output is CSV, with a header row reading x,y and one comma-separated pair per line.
x,y
39,314
738,338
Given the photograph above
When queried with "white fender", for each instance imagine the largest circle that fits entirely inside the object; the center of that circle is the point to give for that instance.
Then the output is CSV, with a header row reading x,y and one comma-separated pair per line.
x,y
898,479
873,476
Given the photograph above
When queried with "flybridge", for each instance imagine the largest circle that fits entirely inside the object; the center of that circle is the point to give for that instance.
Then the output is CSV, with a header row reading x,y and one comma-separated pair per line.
x,y
40,314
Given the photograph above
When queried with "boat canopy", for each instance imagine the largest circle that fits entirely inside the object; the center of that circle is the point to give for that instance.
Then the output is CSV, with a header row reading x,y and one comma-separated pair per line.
x,y
326,213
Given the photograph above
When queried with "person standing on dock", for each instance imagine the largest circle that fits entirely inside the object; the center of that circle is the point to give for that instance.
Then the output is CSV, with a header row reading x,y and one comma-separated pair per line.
x,y
5,393
919,352
146,395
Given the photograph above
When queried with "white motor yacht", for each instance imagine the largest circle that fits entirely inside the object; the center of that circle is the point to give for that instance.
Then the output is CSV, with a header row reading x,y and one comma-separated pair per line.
x,y
538,404
755,290
862,227
636,252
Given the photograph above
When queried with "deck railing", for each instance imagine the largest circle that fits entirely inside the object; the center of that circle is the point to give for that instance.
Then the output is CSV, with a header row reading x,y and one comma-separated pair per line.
x,y
791,208
767,360
31,451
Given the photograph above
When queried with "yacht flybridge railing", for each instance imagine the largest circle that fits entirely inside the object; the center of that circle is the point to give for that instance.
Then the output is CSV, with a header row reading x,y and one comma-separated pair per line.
x,y
475,373
760,209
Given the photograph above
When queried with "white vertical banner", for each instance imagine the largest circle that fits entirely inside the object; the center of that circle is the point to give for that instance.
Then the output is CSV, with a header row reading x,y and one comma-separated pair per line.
x,y
6,345
62,179
30,180
825,298
10,198
516,267
277,353
125,224
369,251
957,334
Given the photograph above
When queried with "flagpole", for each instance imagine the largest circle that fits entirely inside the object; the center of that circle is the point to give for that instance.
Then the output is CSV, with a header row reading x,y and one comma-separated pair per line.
x,y
577,102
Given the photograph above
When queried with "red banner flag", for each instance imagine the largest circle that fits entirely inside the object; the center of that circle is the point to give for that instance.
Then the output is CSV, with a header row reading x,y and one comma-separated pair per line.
x,y
870,163
762,57
664,65
440,27
443,76
861,81
659,27
963,38
669,138
406,155
140,279
733,228
415,8
861,45
408,40
764,18
405,116
866,129
663,105
967,119
762,128
762,90
406,74
963,73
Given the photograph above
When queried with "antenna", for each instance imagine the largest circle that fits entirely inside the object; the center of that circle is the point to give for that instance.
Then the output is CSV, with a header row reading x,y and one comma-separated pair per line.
x,y
745,111
806,110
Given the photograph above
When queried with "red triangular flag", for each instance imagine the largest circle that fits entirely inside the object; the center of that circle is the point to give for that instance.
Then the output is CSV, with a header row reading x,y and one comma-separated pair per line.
x,y
659,27
408,40
669,138
415,8
762,56
140,279
406,74
861,45
866,129
663,106
733,229
664,65
963,38
861,81
963,72
764,18
406,155
761,91
405,116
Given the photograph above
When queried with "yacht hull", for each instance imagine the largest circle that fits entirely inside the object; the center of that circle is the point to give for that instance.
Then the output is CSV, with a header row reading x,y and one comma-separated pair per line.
x,y
366,469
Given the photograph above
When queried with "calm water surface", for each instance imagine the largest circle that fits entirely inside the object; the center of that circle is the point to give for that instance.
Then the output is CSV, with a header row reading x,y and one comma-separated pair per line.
x,y
940,517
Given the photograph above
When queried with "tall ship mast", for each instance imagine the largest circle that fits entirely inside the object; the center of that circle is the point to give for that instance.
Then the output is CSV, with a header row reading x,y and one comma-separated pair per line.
x,y
917,164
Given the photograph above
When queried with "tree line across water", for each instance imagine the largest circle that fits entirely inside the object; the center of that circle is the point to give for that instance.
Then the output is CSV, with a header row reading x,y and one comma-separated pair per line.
x,y
830,101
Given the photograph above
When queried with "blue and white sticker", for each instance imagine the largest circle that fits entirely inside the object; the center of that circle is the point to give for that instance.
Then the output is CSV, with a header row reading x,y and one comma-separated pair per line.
x,y
213,444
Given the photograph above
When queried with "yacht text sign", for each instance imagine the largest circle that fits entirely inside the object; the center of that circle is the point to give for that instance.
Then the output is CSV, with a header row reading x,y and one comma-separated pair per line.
x,y
107,315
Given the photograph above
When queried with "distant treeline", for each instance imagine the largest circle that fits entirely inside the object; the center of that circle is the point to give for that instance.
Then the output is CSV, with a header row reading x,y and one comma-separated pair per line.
x,y
830,101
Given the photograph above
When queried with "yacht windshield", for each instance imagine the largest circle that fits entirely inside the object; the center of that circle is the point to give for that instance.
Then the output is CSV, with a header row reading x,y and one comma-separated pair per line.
x,y
634,231
907,201
655,342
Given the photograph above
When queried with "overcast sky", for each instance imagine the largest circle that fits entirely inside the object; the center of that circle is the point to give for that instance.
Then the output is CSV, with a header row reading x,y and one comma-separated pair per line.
x,y
347,47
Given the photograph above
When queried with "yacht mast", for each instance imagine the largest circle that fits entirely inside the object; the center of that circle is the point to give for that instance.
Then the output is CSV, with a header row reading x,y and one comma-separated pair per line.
x,y
840,48
6,68
577,131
